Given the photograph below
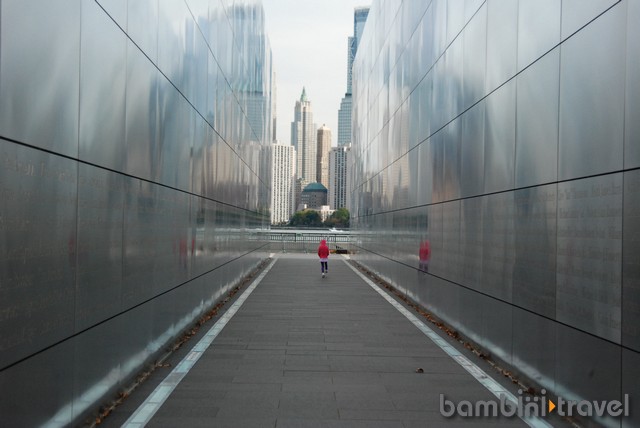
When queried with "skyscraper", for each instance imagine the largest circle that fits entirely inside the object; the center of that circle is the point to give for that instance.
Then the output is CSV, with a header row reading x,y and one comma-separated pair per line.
x,y
283,170
338,173
324,146
360,15
344,121
344,114
303,139
338,158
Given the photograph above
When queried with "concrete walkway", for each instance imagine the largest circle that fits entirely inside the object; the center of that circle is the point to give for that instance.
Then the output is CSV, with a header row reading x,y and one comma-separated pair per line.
x,y
303,351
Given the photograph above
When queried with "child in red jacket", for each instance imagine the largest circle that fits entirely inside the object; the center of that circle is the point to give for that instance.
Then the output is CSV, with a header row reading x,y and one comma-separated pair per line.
x,y
323,253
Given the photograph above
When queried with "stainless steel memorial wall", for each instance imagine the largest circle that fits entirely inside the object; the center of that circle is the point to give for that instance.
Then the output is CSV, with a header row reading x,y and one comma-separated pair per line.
x,y
133,137
506,134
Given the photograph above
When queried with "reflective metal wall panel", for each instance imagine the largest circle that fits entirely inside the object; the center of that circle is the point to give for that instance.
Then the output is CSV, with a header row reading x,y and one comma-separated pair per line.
x,y
587,368
537,122
142,26
471,242
534,268
630,372
538,29
436,147
500,139
475,58
525,136
631,261
589,249
97,370
534,348
576,14
37,250
141,120
174,138
497,329
592,113
39,395
123,213
174,27
451,160
102,89
99,245
117,10
632,88
140,242
39,72
498,244
502,42
472,156
430,227
451,250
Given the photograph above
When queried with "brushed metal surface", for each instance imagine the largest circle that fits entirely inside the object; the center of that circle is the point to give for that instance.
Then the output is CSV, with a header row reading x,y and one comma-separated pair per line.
x,y
38,249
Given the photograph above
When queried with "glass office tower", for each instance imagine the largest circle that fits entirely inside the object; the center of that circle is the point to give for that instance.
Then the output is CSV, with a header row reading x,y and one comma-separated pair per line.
x,y
506,134
133,166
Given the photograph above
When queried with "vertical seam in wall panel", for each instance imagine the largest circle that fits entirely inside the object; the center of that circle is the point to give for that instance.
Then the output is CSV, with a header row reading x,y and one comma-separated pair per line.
x,y
624,100
624,141
77,165
559,74
515,165
515,128
622,311
125,180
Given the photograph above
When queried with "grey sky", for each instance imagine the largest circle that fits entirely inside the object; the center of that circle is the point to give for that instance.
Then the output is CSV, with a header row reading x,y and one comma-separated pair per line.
x,y
309,45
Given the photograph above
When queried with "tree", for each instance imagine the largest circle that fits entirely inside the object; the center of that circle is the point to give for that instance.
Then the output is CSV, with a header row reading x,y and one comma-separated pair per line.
x,y
306,218
339,218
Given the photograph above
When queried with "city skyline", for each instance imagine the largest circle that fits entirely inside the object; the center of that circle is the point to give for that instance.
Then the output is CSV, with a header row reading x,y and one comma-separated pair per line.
x,y
322,29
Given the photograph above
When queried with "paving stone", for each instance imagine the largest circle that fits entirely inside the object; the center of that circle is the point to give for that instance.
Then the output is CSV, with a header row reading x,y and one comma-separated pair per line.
x,y
304,351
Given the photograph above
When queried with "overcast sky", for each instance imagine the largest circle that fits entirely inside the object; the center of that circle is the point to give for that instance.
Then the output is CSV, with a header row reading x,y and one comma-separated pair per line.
x,y
309,46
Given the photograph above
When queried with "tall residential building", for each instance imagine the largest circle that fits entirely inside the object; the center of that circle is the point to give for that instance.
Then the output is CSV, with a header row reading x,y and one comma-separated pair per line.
x,y
324,146
283,169
303,139
274,102
344,121
338,188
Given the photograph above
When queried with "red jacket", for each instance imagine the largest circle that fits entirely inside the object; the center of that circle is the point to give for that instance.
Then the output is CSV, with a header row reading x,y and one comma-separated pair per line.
x,y
425,251
323,250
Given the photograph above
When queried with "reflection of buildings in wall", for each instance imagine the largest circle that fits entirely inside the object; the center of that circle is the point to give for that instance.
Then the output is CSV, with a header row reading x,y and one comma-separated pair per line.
x,y
324,146
282,176
360,15
338,158
149,173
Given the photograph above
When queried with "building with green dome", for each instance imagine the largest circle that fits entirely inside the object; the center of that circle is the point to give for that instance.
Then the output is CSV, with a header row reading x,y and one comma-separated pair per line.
x,y
314,196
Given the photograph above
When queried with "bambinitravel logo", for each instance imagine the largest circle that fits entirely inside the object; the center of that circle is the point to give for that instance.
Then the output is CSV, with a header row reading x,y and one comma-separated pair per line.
x,y
533,406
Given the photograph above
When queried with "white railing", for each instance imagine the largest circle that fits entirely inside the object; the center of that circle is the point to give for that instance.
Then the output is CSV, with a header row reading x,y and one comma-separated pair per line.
x,y
306,241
